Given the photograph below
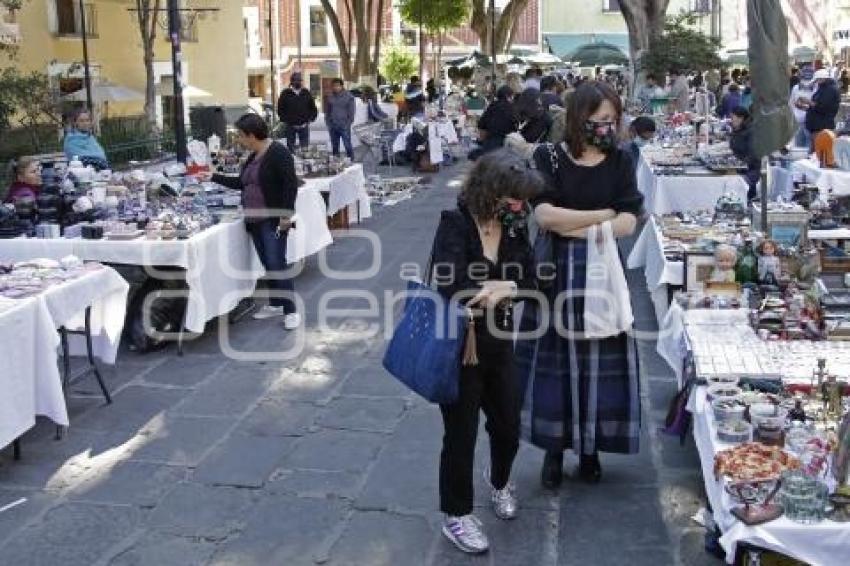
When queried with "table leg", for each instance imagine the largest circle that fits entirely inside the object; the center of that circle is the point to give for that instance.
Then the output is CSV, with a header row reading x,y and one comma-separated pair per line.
x,y
92,363
16,449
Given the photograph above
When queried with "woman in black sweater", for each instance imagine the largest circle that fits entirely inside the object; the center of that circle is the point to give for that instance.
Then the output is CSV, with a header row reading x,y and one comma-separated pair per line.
x,y
581,393
269,187
482,257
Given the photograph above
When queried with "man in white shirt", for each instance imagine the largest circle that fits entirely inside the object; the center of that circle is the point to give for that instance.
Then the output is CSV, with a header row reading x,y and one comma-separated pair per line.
x,y
802,91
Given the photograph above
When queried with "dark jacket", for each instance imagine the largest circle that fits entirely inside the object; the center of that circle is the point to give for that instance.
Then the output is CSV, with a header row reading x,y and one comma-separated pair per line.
x,y
826,102
340,109
741,143
457,246
296,108
498,120
731,100
415,99
277,179
551,99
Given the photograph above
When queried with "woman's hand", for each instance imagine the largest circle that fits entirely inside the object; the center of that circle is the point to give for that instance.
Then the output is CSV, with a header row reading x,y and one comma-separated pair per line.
x,y
493,293
285,223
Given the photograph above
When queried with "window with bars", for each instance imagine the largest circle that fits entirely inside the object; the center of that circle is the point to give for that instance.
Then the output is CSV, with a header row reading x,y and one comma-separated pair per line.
x,y
67,19
702,6
318,27
611,6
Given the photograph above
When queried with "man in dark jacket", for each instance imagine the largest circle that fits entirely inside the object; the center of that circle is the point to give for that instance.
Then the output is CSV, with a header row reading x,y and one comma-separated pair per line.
x,y
296,109
339,116
741,144
549,92
414,97
823,107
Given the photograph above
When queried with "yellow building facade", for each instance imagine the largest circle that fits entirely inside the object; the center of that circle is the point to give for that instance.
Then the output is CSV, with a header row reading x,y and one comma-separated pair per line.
x,y
213,49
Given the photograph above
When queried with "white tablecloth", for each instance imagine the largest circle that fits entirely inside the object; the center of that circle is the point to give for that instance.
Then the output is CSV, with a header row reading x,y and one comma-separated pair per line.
x,y
439,133
311,233
221,264
348,189
30,381
648,253
827,180
681,193
825,544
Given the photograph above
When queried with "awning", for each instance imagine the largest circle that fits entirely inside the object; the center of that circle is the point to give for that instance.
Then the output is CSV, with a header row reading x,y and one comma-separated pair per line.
x,y
106,92
166,88
562,44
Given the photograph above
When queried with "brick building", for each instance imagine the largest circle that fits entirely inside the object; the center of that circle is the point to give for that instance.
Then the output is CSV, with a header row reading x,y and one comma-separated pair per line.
x,y
304,22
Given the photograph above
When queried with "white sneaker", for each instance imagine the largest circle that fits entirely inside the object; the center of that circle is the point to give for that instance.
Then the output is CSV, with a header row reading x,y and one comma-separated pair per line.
x,y
292,321
504,500
267,311
466,533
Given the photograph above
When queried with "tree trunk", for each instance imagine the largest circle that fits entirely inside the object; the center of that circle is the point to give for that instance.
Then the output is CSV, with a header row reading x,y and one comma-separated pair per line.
x,y
361,26
379,33
147,16
481,23
644,21
342,45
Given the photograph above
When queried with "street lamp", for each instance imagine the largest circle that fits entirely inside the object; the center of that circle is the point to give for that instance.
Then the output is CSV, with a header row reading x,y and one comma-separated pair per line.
x,y
421,44
86,69
493,40
174,27
271,55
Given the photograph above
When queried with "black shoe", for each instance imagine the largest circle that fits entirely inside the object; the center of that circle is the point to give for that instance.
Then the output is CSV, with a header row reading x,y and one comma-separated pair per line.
x,y
589,469
553,470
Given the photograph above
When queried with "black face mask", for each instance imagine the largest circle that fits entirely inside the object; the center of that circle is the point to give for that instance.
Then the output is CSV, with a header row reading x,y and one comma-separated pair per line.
x,y
600,135
296,85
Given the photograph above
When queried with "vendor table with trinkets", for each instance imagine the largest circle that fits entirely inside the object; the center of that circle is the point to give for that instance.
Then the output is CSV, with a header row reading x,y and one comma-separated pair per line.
x,y
346,190
834,181
49,297
221,264
723,353
676,183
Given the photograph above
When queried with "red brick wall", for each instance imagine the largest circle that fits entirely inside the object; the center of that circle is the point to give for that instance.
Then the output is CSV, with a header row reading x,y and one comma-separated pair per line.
x,y
527,29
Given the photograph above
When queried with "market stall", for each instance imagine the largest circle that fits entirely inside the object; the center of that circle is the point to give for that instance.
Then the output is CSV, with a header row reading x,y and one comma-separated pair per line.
x,y
441,134
833,181
672,184
51,296
721,350
344,190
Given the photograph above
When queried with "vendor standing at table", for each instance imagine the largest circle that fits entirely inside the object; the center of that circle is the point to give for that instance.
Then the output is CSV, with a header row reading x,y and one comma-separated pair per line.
x,y
339,109
741,144
414,98
27,183
269,187
823,107
81,143
498,120
296,108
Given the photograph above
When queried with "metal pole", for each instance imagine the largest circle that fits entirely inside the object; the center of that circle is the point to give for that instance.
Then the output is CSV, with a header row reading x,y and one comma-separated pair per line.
x,y
86,69
271,55
421,45
177,72
298,32
493,41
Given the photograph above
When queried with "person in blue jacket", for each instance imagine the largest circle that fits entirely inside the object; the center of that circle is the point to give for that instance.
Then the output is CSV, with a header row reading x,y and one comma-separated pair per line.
x,y
81,143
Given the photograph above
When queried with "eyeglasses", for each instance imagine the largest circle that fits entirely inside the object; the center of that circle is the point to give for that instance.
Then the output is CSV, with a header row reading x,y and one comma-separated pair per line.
x,y
597,125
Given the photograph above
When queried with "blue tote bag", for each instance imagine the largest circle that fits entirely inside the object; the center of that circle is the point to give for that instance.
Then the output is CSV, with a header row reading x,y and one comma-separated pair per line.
x,y
427,347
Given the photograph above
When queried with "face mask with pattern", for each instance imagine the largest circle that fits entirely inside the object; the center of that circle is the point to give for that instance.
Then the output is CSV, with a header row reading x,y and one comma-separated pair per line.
x,y
513,216
600,135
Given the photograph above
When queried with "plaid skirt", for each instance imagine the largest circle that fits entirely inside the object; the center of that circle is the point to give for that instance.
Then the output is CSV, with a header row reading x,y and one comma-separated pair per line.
x,y
580,393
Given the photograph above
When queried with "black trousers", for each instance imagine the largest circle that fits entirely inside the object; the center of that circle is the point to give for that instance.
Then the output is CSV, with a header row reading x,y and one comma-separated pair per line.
x,y
492,387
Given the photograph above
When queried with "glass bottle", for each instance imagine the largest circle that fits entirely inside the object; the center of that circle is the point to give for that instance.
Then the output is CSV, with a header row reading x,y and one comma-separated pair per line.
x,y
746,270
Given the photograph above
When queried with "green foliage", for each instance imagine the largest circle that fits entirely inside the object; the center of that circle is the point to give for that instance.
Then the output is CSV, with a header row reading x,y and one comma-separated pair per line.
x,y
398,63
682,46
27,99
437,16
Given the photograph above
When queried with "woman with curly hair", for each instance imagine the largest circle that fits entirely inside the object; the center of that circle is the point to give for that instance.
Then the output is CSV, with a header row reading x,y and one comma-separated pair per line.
x,y
482,258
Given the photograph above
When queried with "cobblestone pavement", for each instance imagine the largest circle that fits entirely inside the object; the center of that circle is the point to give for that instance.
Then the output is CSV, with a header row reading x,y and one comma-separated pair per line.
x,y
322,459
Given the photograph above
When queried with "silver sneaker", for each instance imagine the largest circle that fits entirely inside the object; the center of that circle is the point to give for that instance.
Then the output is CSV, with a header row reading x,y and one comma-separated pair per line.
x,y
466,533
504,500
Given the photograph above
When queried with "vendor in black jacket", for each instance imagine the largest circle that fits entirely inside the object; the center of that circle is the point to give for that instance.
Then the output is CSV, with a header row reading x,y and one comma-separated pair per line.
x,y
269,187
497,121
823,107
741,144
296,108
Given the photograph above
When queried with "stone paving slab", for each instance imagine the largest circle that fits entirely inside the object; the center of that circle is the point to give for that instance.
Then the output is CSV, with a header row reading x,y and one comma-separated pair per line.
x,y
180,440
141,484
72,534
163,550
243,461
200,511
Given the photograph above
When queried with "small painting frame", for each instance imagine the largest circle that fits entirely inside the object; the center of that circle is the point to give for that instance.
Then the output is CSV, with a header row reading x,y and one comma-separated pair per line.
x,y
698,268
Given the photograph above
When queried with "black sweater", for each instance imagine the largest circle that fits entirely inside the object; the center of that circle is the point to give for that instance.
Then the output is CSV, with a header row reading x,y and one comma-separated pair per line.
x,y
459,261
296,109
277,179
826,103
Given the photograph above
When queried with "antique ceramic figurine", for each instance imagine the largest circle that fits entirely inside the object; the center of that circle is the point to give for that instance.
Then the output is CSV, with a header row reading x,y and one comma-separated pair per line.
x,y
769,265
725,258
